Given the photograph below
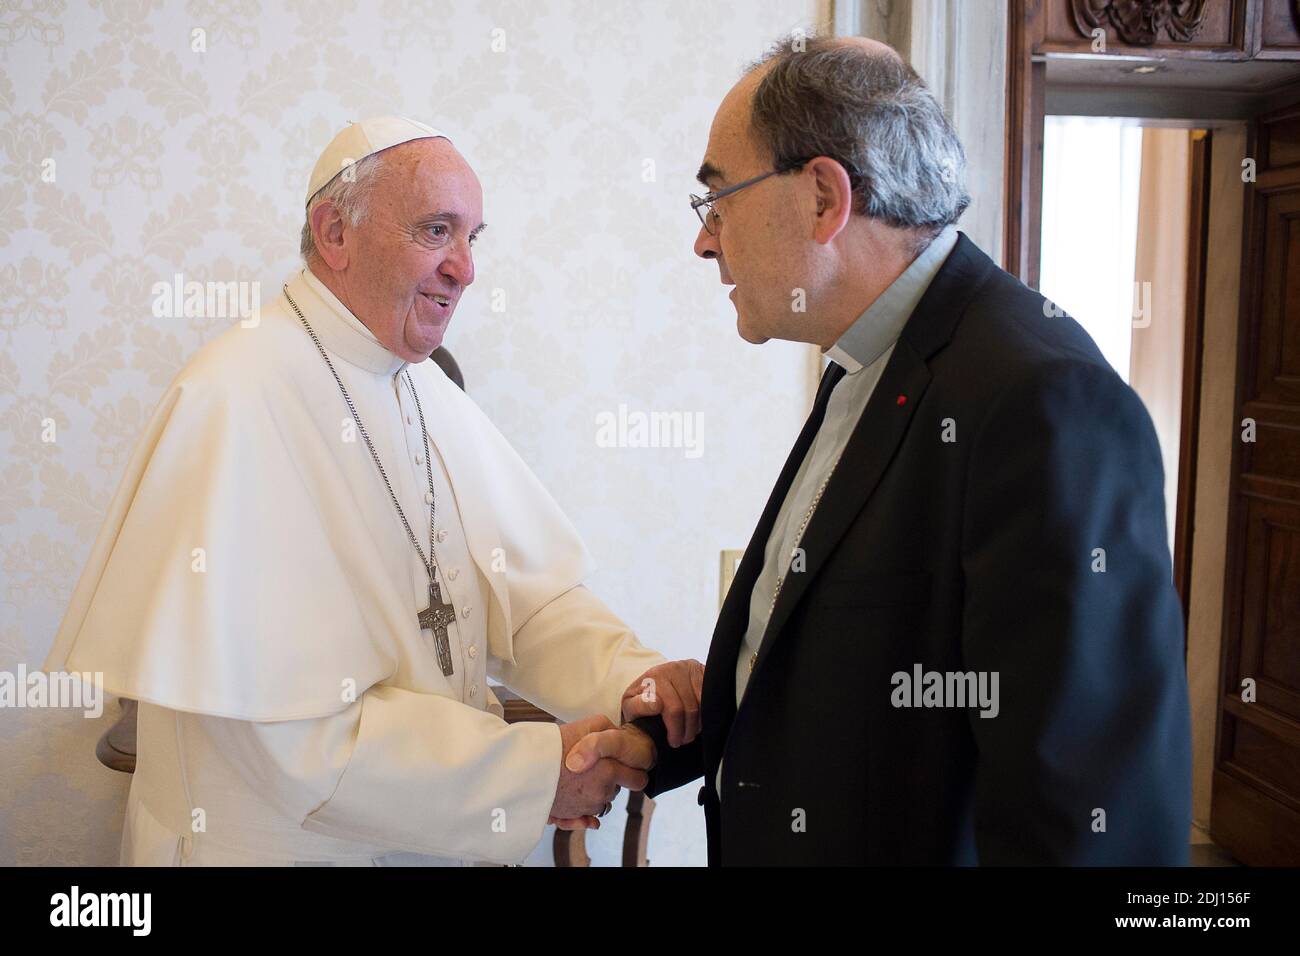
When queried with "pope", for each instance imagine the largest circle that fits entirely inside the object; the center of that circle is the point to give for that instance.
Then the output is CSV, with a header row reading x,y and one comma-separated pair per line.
x,y
322,549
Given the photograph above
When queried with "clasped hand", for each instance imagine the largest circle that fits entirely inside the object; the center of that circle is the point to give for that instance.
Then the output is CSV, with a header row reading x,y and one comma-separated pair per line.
x,y
599,758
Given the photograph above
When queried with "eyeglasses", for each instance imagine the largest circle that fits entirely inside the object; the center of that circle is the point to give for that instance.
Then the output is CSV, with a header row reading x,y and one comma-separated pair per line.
x,y
703,205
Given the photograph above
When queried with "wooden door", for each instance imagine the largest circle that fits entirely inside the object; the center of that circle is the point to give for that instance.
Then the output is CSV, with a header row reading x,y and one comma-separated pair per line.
x,y
1255,808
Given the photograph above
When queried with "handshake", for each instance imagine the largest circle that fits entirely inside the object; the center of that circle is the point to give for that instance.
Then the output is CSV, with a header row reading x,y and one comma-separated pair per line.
x,y
599,758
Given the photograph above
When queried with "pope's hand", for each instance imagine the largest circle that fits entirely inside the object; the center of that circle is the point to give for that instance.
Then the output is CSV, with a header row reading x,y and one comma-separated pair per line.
x,y
673,691
598,759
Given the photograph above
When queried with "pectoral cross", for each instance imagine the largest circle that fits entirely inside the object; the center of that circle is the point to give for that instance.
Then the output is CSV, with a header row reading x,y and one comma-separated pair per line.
x,y
436,617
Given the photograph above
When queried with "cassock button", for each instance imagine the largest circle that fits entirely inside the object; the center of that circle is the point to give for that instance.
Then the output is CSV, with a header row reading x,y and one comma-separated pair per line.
x,y
442,534
428,497
473,690
464,612
473,650
419,460
408,420
453,574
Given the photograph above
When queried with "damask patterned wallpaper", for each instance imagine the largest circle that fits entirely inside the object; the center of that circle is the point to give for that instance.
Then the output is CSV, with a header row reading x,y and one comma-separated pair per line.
x,y
142,139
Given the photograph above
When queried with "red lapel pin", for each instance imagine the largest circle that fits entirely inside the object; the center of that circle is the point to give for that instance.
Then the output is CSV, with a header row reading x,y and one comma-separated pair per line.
x,y
902,399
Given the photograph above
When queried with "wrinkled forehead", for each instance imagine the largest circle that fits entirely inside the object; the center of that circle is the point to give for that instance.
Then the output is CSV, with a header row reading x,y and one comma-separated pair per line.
x,y
430,174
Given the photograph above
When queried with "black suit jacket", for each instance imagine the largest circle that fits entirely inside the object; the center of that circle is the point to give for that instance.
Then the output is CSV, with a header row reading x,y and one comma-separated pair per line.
x,y
979,554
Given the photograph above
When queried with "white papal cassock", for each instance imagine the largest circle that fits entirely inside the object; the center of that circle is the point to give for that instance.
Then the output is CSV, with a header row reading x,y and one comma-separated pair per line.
x,y
255,590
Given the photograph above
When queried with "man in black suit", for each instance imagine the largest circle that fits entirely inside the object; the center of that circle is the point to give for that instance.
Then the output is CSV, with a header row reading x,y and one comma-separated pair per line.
x,y
953,638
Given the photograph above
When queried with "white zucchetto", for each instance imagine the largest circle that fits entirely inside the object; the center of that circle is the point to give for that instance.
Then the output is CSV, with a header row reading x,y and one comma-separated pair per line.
x,y
359,140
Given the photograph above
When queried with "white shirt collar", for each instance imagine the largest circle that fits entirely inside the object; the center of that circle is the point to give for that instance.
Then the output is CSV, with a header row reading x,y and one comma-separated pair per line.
x,y
879,327
341,332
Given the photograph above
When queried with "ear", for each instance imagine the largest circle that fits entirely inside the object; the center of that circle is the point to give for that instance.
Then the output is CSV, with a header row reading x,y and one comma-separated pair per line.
x,y
833,195
327,228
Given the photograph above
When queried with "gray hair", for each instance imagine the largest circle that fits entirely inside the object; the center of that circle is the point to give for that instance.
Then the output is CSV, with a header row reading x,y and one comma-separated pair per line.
x,y
873,115
351,197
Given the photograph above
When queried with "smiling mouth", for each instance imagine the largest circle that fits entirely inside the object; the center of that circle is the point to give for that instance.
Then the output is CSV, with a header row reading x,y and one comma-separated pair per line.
x,y
440,300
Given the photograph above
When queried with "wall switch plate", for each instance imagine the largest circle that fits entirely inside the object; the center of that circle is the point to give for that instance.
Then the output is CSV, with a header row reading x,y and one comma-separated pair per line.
x,y
730,562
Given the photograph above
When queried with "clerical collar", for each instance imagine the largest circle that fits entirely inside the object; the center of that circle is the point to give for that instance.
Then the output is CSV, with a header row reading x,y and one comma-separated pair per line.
x,y
879,327
341,332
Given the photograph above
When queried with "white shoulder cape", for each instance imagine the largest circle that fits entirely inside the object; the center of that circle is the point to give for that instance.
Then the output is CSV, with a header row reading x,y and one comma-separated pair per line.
x,y
241,459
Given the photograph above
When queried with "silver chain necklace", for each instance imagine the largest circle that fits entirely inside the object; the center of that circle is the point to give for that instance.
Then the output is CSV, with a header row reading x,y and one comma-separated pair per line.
x,y
438,614
798,540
